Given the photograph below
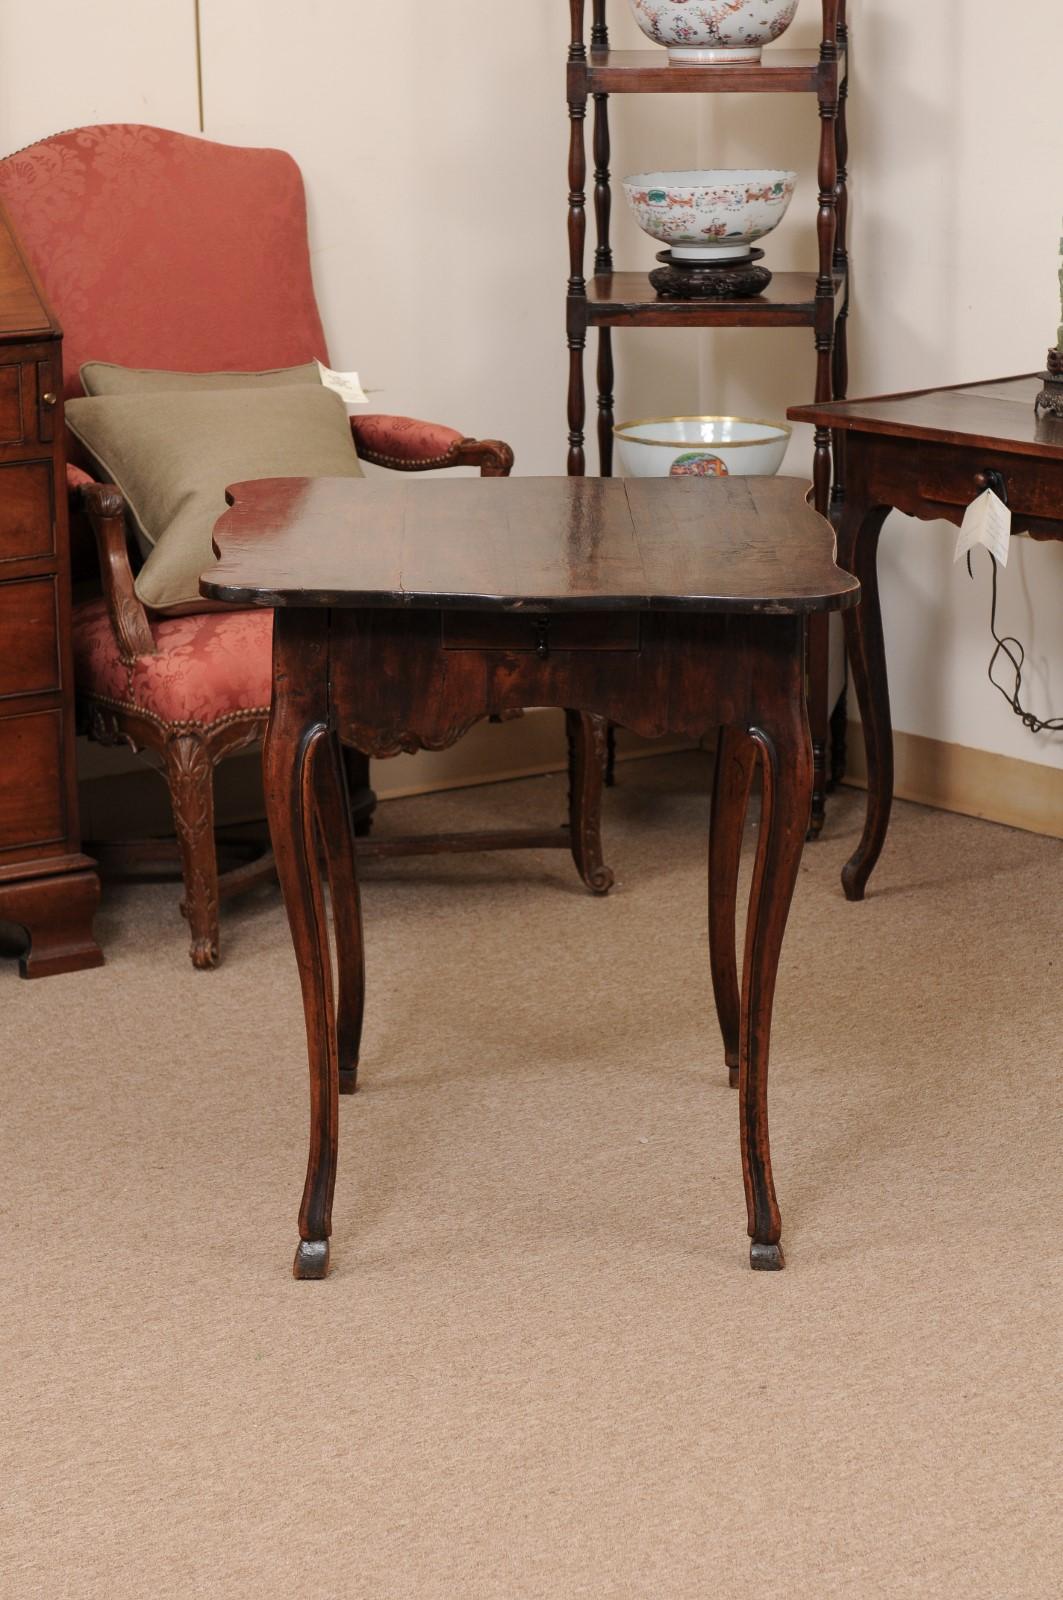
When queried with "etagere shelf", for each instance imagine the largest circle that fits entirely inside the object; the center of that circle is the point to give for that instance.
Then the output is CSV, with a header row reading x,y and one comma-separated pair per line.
x,y
610,299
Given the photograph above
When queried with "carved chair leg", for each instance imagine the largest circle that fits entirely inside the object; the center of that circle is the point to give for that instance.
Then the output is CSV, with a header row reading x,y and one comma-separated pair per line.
x,y
785,748
337,836
190,775
586,767
736,757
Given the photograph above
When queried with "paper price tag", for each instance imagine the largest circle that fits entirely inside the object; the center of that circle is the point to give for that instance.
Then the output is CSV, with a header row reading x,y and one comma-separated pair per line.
x,y
345,384
987,522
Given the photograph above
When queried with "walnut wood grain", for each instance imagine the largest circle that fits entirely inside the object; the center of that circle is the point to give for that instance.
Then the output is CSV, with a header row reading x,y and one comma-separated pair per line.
x,y
735,544
736,759
993,413
444,617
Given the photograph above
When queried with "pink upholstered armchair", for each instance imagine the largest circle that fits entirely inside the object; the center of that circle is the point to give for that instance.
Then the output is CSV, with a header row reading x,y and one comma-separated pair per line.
x,y
163,251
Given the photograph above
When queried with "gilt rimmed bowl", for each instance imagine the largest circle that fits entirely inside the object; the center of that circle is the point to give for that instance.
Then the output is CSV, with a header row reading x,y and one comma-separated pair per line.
x,y
701,447
710,216
714,32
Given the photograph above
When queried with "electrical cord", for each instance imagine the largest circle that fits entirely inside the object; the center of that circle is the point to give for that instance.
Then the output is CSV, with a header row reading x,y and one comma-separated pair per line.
x,y
1013,650
1007,645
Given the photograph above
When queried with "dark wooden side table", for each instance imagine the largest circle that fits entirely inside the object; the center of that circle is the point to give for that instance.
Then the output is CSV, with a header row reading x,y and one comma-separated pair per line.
x,y
929,453
407,612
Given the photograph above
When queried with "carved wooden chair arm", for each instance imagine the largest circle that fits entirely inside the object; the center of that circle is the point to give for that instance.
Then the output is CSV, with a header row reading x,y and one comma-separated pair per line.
x,y
104,505
407,445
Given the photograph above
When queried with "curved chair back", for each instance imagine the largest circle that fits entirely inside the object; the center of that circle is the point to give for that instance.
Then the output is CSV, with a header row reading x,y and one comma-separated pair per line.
x,y
160,250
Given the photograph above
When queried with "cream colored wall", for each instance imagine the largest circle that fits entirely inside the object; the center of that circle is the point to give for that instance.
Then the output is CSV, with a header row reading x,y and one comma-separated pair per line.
x,y
957,189
68,62
434,142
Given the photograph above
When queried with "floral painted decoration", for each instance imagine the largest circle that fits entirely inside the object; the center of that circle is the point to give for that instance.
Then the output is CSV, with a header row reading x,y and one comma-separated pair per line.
x,y
687,215
714,24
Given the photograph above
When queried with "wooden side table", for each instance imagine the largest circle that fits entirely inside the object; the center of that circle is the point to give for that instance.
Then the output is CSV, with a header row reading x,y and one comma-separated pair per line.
x,y
929,453
407,612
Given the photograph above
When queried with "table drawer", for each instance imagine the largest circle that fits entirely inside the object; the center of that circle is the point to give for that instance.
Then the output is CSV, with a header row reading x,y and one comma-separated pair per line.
x,y
953,478
31,790
540,631
27,515
29,640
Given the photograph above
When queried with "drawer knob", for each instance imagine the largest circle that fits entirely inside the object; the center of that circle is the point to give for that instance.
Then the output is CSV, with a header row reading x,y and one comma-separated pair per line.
x,y
49,399
990,478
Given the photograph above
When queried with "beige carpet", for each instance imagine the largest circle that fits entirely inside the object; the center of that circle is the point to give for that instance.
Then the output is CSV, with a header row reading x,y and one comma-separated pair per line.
x,y
541,1366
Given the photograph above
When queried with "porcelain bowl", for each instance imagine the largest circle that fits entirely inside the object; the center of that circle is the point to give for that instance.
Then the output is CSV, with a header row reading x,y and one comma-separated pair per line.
x,y
701,447
714,32
710,216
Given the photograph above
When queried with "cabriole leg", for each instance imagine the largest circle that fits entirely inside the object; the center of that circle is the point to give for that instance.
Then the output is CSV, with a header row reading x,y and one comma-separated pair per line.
x,y
786,767
858,539
736,756
337,834
294,745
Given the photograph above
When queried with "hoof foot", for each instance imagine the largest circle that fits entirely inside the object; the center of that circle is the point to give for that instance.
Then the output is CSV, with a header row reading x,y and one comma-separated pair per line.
x,y
732,1075
348,1079
853,883
766,1257
311,1259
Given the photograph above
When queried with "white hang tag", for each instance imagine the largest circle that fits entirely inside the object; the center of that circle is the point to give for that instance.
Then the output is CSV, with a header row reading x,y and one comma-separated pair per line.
x,y
987,522
345,384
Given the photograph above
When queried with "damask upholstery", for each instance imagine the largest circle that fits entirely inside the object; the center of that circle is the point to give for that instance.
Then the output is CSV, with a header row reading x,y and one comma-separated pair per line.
x,y
209,667
217,276
401,440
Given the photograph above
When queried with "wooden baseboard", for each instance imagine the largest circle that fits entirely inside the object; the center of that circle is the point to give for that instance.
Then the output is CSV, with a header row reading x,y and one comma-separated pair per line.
x,y
974,783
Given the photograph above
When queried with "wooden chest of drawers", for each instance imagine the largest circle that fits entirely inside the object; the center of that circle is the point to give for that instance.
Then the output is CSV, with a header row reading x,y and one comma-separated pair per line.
x,y
47,887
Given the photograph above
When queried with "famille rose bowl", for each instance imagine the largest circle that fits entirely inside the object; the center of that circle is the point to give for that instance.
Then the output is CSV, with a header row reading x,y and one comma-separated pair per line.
x,y
714,32
701,447
709,216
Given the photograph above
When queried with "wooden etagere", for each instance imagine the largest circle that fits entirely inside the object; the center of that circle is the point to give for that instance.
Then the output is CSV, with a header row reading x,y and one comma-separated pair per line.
x,y
610,299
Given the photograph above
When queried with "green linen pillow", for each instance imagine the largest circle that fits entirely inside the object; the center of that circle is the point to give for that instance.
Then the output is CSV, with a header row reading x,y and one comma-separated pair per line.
x,y
173,454
104,377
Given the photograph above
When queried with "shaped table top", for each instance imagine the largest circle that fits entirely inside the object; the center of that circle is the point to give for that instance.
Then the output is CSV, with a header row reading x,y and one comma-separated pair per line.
x,y
539,544
998,413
